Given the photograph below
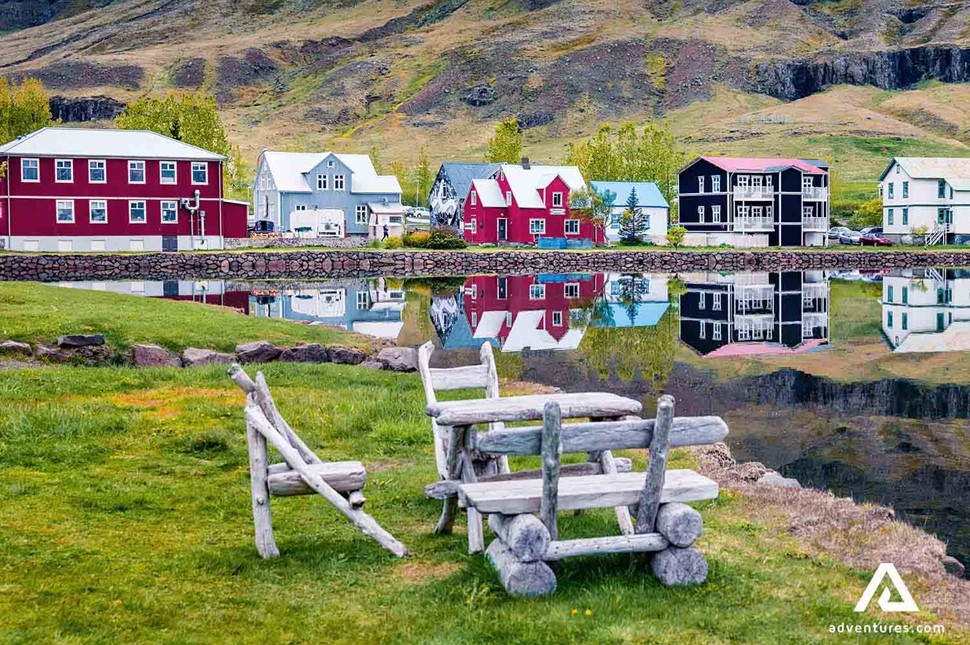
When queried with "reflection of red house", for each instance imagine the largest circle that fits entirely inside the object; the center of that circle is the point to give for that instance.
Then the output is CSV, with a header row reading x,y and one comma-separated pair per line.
x,y
238,300
524,203
531,311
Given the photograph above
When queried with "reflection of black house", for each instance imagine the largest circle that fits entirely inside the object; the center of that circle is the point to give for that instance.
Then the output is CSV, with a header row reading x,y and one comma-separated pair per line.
x,y
769,312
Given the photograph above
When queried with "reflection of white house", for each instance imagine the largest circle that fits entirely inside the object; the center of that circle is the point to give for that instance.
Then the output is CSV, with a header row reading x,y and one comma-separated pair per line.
x,y
653,206
926,191
182,289
926,310
632,300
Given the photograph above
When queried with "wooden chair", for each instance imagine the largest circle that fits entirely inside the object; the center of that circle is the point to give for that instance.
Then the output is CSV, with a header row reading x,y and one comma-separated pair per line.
x,y
665,525
300,473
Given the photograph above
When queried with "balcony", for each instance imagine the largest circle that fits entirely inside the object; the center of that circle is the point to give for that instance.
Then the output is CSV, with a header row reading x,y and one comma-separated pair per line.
x,y
747,224
815,223
754,192
811,322
754,298
754,326
815,193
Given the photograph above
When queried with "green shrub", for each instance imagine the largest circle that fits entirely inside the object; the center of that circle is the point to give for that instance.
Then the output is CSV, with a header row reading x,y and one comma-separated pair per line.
x,y
443,237
676,235
417,240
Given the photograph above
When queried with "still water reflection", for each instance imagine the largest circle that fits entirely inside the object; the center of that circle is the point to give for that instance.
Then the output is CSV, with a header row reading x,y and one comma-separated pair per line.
x,y
856,383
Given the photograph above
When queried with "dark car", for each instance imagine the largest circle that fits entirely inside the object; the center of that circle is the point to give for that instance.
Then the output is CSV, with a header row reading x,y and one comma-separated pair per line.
x,y
874,239
871,230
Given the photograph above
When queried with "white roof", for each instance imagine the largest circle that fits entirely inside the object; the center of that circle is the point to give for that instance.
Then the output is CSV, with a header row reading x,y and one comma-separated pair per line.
x,y
89,142
379,329
489,193
289,171
391,208
526,183
526,333
949,168
490,324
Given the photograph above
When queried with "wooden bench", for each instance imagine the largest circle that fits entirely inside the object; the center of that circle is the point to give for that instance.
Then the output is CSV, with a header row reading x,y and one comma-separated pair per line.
x,y
665,524
300,473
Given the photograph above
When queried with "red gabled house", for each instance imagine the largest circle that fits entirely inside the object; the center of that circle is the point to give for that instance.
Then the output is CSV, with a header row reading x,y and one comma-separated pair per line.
x,y
68,189
523,204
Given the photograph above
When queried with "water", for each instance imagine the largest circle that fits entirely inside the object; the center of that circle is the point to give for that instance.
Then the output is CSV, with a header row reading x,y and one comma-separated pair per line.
x,y
855,383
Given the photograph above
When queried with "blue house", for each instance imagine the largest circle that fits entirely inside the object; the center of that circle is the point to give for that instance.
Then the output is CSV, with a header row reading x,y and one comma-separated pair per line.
x,y
325,194
650,200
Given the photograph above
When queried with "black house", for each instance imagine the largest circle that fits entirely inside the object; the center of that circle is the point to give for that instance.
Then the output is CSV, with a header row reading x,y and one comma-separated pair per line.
x,y
450,189
754,201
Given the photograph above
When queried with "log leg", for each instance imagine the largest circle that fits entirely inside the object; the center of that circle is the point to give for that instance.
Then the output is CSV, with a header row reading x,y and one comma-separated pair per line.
x,y
476,539
258,474
520,578
675,566
456,445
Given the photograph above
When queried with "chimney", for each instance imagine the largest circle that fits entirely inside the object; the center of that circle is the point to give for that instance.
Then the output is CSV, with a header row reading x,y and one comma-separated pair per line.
x,y
525,163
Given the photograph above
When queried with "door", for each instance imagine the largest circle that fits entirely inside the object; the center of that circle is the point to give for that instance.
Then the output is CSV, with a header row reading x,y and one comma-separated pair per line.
x,y
170,243
503,225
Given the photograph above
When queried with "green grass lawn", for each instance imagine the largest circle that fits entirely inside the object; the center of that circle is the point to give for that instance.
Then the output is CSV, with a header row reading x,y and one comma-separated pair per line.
x,y
40,313
127,519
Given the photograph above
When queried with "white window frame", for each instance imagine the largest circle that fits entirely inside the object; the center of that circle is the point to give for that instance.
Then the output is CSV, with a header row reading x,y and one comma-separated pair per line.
x,y
144,205
132,164
58,205
204,167
702,334
360,209
571,290
537,292
508,198
715,183
743,181
700,213
700,183
322,182
702,301
92,205
716,302
299,207
715,213
557,200
757,181
474,319
161,173
557,319
533,229
717,332
339,182
757,211
173,206
23,167
92,166
474,198
808,211
362,303
571,223
57,167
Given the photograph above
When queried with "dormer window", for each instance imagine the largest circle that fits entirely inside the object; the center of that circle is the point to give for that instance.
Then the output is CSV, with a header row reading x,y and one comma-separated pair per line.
x,y
508,198
474,198
557,200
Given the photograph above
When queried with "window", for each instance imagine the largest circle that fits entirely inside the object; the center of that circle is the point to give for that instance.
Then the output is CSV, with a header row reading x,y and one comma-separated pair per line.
x,y
715,183
508,198
362,299
571,290
905,321
742,181
338,182
905,217
361,214
537,291
474,319
905,295
743,211
717,332
715,214
905,189
98,211
756,211
941,188
897,168
136,212
889,216
716,302
807,211
702,334
30,170
891,185
557,319
941,215
167,173
700,213
170,212
200,172
65,212
96,172
572,227
537,226
64,171
702,301
321,182
300,207
889,293
474,198
557,200
700,184
889,319
136,172
330,163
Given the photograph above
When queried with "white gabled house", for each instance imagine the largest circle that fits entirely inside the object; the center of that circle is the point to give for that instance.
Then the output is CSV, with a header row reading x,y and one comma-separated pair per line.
x,y
931,192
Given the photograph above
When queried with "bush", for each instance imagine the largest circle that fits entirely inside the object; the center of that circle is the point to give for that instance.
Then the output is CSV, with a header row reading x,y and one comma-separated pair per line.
x,y
394,243
676,235
443,237
417,240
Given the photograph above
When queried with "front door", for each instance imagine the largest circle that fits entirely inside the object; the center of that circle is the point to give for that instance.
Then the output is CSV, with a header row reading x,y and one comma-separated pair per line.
x,y
503,225
170,243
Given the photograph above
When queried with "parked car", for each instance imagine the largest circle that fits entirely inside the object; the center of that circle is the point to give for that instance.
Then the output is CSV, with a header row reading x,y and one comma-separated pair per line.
x,y
871,230
874,239
850,237
417,211
835,231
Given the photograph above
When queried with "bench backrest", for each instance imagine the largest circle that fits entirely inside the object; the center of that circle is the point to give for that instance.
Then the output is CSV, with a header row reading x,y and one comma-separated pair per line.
x,y
482,375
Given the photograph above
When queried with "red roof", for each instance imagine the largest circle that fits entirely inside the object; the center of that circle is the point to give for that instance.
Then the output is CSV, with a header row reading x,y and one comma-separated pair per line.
x,y
762,164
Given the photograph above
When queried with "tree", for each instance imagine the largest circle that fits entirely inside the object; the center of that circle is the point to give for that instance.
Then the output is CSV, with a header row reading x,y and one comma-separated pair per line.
x,y
676,235
592,206
192,117
422,177
633,224
868,213
505,146
24,108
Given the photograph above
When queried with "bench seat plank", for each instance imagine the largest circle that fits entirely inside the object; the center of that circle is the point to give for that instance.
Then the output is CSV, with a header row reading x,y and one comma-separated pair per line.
x,y
529,408
591,491
342,476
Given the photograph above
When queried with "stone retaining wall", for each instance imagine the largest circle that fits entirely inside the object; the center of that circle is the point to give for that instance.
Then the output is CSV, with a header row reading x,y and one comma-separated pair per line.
x,y
311,264
295,242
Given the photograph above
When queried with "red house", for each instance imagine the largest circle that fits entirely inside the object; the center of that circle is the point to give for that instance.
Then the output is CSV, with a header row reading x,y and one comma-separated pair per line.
x,y
69,189
524,204
536,312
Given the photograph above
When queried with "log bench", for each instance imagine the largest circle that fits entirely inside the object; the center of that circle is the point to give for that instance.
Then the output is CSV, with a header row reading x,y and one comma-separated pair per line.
x,y
523,513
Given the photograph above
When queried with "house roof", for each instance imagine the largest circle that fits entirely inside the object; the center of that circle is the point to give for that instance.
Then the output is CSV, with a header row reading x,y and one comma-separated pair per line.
x,y
956,170
90,142
648,194
527,182
489,193
290,172
762,164
461,175
390,208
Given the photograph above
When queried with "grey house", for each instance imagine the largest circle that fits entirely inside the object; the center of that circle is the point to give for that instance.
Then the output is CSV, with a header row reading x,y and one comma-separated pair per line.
x,y
450,189
325,194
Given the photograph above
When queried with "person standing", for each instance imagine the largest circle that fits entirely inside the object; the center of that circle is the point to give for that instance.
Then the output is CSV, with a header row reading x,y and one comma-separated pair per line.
x,y
386,230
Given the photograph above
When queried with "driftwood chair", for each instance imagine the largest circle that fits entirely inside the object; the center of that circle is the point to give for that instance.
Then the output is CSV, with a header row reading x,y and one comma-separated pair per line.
x,y
300,473
665,525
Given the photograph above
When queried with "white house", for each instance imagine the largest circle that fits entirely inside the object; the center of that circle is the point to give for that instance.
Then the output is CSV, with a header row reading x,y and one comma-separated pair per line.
x,y
926,310
926,191
650,200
